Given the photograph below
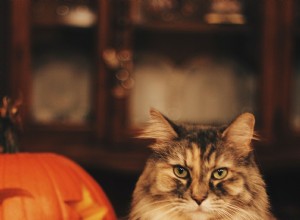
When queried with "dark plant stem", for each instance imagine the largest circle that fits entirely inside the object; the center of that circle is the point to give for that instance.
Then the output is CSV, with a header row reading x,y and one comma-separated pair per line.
x,y
9,127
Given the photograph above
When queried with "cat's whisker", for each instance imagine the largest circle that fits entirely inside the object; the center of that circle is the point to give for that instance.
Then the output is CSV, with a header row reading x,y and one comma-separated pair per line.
x,y
218,209
225,214
244,214
158,202
231,213
151,205
160,217
228,212
148,209
219,205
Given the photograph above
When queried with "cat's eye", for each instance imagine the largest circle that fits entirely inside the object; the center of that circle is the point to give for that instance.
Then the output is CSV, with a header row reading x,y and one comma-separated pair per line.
x,y
220,173
180,172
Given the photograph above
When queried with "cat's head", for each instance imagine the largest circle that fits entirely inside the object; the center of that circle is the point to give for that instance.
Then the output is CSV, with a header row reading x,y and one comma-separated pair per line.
x,y
199,172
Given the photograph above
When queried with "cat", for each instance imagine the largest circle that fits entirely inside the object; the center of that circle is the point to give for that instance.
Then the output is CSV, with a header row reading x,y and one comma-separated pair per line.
x,y
200,173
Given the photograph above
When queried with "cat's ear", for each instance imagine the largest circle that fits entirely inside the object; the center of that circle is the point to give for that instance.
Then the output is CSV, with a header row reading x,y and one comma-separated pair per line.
x,y
240,132
159,128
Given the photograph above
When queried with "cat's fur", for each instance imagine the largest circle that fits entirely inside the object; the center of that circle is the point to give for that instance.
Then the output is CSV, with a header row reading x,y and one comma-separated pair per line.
x,y
160,194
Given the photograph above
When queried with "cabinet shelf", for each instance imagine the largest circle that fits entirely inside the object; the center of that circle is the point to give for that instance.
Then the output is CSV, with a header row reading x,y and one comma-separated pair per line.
x,y
192,27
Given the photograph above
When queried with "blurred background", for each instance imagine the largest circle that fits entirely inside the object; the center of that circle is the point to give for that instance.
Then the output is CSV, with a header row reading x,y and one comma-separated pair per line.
x,y
87,72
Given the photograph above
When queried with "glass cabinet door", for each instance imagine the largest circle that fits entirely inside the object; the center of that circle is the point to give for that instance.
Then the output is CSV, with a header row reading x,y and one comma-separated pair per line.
x,y
193,61
204,89
63,60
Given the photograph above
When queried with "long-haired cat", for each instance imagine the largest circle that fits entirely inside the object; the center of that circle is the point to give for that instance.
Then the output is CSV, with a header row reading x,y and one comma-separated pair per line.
x,y
200,173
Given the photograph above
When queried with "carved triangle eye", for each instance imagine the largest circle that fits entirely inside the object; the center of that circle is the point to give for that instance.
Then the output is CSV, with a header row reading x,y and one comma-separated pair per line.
x,y
8,193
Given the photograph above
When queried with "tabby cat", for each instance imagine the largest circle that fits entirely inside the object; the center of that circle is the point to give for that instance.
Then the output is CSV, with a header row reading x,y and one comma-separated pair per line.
x,y
200,173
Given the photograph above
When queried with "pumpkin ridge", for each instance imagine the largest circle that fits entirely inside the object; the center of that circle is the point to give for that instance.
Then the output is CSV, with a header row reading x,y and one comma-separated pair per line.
x,y
37,181
66,179
13,182
59,205
21,183
98,195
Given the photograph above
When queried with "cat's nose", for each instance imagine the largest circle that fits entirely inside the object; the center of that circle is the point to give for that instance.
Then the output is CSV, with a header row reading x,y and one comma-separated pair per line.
x,y
198,199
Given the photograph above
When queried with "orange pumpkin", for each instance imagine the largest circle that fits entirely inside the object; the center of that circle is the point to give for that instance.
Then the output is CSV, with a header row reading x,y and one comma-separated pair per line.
x,y
35,186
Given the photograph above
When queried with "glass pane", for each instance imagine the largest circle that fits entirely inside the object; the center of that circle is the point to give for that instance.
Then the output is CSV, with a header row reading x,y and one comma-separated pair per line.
x,y
61,87
63,62
203,89
295,119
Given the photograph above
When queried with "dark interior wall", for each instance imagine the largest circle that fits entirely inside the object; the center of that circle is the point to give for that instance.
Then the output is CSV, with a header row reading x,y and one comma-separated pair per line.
x,y
283,189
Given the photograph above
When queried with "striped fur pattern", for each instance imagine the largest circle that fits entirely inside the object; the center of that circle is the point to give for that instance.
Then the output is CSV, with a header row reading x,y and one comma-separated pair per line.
x,y
194,193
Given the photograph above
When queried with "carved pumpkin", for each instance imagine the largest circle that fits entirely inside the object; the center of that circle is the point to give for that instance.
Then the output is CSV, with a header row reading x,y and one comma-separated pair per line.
x,y
35,186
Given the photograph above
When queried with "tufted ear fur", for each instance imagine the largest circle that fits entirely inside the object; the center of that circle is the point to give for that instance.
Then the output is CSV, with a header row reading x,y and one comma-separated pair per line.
x,y
240,132
159,128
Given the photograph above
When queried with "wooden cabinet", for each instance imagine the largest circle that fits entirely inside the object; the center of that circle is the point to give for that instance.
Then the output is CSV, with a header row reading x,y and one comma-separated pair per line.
x,y
215,66
289,80
244,54
127,58
175,44
3,52
55,56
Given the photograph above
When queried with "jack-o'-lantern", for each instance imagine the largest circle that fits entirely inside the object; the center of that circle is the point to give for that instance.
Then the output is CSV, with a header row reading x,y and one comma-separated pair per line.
x,y
35,186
